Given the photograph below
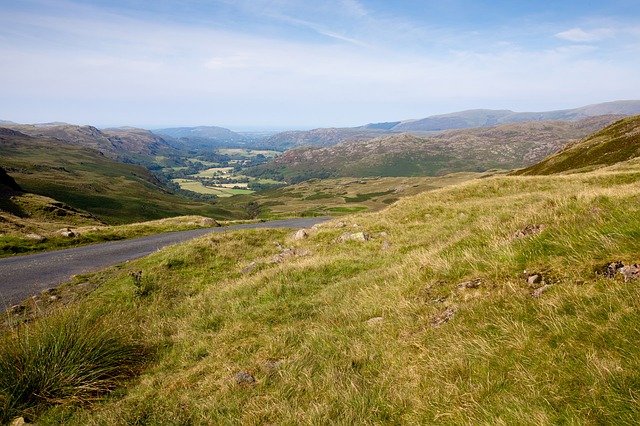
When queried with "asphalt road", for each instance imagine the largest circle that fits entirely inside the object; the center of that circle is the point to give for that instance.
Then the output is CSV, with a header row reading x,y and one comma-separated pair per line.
x,y
24,276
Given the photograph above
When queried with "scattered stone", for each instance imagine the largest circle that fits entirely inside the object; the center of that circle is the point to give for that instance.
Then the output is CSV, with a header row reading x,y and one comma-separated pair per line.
x,y
538,291
273,366
374,320
356,236
440,299
244,378
529,230
383,234
462,215
53,298
340,224
207,221
386,245
20,421
630,272
34,237
250,267
16,309
66,232
301,234
534,279
612,268
474,283
444,317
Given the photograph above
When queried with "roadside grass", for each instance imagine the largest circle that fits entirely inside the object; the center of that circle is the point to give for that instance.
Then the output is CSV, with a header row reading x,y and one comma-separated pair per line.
x,y
382,331
17,243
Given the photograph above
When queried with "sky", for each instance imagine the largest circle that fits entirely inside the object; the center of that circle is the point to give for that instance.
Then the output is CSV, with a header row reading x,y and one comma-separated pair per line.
x,y
298,64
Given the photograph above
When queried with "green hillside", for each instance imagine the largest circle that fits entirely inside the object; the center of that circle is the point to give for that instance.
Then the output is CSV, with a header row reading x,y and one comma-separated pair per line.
x,y
84,179
616,143
488,302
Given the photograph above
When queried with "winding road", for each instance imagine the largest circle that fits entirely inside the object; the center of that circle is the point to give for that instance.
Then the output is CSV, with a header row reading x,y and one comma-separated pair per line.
x,y
25,276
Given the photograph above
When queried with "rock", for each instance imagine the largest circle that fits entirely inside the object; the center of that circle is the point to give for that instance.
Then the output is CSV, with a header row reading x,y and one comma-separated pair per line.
x,y
360,236
357,236
444,317
19,422
383,234
612,268
474,283
534,279
66,232
340,224
16,309
207,221
250,267
53,298
374,320
529,230
537,292
272,366
631,272
34,237
244,378
301,234
386,245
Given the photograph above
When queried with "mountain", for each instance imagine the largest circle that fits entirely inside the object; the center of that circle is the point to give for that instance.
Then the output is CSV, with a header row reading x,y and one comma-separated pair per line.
x,y
127,144
204,136
85,179
616,143
320,137
506,146
487,117
437,123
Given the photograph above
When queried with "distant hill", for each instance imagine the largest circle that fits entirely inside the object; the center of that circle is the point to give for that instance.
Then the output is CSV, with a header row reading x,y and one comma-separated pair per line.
x,y
437,123
321,137
203,136
85,179
127,144
487,117
506,146
616,143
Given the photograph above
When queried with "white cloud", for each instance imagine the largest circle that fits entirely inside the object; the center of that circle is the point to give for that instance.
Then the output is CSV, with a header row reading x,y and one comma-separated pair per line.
x,y
579,35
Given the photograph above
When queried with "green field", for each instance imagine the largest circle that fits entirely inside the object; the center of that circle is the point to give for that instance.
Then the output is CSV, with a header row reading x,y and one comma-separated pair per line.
x,y
195,186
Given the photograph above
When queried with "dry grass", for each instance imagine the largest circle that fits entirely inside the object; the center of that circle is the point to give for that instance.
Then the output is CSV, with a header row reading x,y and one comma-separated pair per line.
x,y
375,333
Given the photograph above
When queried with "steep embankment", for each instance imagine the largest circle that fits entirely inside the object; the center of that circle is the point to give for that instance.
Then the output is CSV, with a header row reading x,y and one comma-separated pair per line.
x,y
616,143
86,180
488,302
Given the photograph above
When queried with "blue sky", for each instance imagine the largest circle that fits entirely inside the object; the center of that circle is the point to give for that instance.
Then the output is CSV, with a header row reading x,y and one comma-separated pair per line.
x,y
300,64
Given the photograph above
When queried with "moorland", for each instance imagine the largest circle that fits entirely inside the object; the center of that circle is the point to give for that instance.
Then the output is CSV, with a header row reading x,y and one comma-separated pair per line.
x,y
484,275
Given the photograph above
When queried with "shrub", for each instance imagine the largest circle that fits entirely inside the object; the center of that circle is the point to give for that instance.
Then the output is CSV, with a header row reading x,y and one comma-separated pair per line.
x,y
65,358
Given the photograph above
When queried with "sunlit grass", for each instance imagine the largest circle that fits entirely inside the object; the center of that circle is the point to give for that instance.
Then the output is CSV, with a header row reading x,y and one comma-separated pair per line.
x,y
381,331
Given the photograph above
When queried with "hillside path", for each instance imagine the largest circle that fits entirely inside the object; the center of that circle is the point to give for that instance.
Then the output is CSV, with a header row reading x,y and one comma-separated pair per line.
x,y
24,276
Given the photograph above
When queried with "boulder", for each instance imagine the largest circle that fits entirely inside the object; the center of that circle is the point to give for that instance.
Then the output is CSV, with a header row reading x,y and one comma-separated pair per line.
x,y
35,237
301,234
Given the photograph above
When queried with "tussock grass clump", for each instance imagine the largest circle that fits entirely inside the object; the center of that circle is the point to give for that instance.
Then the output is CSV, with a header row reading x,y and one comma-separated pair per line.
x,y
65,358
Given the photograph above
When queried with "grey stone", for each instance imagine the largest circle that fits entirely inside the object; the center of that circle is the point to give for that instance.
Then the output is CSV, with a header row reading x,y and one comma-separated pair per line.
x,y
301,234
630,272
534,279
444,317
537,292
244,378
474,283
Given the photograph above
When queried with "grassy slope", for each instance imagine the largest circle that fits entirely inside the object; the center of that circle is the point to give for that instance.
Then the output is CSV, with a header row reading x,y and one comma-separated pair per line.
x,y
302,328
611,145
114,192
